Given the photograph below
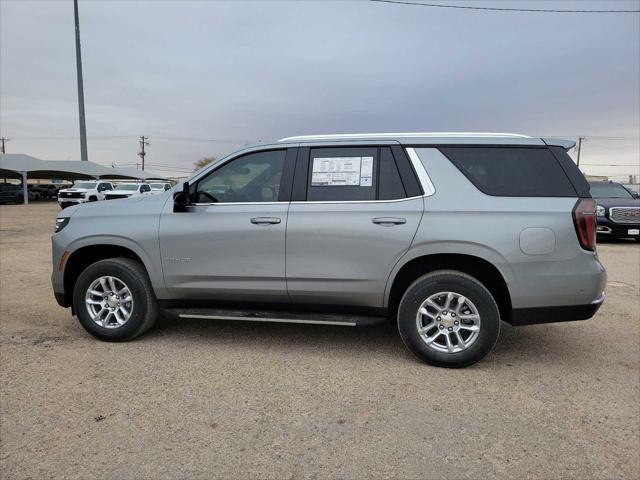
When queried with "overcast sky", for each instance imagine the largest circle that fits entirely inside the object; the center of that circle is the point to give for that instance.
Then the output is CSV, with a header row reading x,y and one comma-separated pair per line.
x,y
261,70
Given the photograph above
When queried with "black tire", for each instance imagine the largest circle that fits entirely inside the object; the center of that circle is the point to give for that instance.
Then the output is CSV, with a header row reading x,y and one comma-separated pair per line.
x,y
460,283
132,273
93,198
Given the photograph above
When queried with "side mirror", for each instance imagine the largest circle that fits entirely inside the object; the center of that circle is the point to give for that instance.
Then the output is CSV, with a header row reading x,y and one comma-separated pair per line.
x,y
182,199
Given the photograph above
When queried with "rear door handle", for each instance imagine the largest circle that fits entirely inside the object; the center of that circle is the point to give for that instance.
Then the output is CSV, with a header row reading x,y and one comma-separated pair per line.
x,y
265,220
389,221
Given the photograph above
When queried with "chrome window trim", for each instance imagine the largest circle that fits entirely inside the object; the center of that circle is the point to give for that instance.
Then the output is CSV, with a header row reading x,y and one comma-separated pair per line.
x,y
236,203
302,202
395,200
423,176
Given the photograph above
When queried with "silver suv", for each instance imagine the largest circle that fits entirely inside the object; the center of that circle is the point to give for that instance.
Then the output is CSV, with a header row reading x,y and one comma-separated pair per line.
x,y
445,234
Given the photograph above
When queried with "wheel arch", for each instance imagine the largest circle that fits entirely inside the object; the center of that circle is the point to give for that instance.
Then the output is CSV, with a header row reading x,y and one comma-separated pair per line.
x,y
85,255
480,268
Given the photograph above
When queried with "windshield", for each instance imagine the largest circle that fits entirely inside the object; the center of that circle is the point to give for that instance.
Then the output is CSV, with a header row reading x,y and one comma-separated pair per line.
x,y
87,185
157,186
610,190
127,186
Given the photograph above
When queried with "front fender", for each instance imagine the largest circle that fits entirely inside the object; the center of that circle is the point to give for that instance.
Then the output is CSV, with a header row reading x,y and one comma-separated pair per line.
x,y
150,259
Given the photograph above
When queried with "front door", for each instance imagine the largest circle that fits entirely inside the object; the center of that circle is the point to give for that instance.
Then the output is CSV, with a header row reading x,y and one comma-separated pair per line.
x,y
352,217
230,244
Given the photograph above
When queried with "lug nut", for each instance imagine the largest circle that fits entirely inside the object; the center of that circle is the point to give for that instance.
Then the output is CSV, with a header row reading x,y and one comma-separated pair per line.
x,y
444,313
441,327
456,323
451,329
453,314
438,318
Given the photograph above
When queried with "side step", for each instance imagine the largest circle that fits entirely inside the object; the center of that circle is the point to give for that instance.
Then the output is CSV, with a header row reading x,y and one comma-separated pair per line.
x,y
274,316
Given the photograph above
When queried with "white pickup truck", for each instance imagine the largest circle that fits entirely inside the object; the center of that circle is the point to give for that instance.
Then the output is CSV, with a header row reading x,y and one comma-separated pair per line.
x,y
84,191
128,190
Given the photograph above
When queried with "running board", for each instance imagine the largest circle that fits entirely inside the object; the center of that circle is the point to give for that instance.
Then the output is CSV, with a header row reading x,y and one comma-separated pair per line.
x,y
272,316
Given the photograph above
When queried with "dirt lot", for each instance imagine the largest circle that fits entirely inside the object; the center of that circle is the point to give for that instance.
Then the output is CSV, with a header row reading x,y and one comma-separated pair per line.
x,y
203,399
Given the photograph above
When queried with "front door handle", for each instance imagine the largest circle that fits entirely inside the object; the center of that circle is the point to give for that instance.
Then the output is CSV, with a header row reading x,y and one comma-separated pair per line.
x,y
389,221
265,220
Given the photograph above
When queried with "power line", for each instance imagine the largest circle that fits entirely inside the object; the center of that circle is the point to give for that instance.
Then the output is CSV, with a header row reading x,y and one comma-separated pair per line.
x,y
183,139
75,138
501,9
214,140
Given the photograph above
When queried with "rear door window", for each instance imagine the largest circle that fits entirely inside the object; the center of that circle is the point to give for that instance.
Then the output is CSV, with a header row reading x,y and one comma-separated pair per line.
x,y
512,171
353,174
389,184
342,174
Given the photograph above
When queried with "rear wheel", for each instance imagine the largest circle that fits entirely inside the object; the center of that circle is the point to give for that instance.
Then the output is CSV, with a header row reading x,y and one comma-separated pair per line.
x,y
114,299
448,319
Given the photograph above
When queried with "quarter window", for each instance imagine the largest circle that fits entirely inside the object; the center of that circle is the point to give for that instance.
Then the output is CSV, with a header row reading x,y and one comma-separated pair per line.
x,y
255,177
512,171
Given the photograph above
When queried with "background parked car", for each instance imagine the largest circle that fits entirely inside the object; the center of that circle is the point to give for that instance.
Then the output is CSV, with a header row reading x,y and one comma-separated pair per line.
x,y
159,187
10,193
46,190
34,192
84,191
128,190
618,211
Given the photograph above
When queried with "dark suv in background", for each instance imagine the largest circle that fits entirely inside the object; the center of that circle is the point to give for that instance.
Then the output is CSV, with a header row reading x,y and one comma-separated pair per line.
x,y
10,193
618,211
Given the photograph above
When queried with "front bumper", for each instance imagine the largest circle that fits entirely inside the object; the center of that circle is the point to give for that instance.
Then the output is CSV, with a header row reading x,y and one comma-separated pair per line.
x,y
608,229
68,202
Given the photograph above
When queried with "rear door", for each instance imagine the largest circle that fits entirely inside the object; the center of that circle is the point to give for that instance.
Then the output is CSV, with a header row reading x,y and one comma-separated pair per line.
x,y
353,214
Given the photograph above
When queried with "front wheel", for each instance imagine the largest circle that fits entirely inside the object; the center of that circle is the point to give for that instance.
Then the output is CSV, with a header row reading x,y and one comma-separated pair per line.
x,y
448,319
114,300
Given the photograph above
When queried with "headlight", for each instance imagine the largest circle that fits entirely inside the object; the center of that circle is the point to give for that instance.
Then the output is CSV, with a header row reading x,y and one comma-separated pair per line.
x,y
600,211
61,223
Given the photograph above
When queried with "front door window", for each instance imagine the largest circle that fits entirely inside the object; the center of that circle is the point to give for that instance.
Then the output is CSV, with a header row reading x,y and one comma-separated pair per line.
x,y
255,177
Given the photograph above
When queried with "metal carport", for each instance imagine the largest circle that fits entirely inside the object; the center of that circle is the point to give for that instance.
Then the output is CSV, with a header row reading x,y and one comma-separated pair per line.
x,y
18,165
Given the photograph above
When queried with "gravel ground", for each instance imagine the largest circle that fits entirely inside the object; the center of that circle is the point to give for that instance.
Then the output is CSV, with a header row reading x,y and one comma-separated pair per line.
x,y
206,399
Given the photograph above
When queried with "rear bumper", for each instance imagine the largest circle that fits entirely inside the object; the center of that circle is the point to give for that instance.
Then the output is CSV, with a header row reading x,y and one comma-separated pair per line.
x,y
533,316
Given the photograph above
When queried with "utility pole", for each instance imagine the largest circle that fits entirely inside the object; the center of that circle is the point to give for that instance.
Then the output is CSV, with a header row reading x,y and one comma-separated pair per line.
x,y
580,139
141,153
83,128
3,139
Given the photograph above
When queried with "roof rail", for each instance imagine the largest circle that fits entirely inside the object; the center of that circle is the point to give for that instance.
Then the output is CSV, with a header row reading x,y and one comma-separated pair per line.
x,y
354,136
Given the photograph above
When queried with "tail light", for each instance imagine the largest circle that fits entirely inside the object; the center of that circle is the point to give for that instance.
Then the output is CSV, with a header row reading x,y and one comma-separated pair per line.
x,y
584,220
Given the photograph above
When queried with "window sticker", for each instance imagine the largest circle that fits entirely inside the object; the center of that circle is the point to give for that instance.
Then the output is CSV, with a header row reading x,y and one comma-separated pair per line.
x,y
342,171
366,172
